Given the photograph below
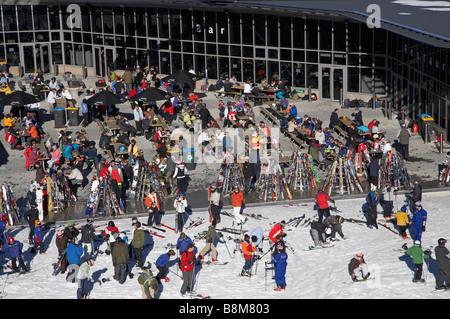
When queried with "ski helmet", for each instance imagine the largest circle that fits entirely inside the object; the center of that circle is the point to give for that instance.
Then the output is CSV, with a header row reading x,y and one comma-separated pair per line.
x,y
37,223
4,218
328,231
442,241
137,224
417,242
181,193
11,240
111,224
403,209
360,255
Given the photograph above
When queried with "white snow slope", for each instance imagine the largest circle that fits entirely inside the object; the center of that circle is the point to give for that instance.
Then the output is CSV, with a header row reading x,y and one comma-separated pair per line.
x,y
318,274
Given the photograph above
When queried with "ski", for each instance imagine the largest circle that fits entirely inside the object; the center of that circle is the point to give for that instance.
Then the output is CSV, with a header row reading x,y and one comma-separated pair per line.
x,y
318,247
157,228
196,223
259,217
173,229
232,230
387,227
214,263
153,234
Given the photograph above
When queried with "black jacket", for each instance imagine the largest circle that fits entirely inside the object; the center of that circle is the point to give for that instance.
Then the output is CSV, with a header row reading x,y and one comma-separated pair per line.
x,y
31,216
442,261
87,234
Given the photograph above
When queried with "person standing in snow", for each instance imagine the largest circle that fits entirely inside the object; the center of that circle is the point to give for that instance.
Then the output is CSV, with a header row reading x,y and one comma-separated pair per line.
x,y
280,262
187,269
322,200
108,236
249,255
38,238
149,284
419,220
120,256
415,196
14,247
402,221
180,176
87,238
418,256
210,238
442,264
237,200
214,201
137,243
276,233
372,200
83,276
180,205
358,268
161,264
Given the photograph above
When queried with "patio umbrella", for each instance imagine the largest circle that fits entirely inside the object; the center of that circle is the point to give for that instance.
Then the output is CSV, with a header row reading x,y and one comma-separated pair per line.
x,y
150,94
181,78
19,99
105,98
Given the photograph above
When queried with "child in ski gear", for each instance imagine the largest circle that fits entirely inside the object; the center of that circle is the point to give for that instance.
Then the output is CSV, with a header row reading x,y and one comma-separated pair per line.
x,y
83,276
180,205
237,200
161,264
187,269
14,247
249,255
402,221
38,238
358,268
418,255
153,207
137,243
108,236
419,220
149,284
280,262
442,263
210,237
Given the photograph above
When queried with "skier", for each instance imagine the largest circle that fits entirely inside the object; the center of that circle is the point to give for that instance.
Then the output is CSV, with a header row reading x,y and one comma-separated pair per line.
x,y
3,224
257,237
187,269
149,284
14,247
153,207
87,238
74,253
277,232
402,221
180,175
71,232
108,236
215,204
372,200
138,242
319,233
120,260
415,196
418,255
180,205
161,264
210,238
182,242
322,200
358,268
280,262
38,238
374,168
387,200
83,276
419,220
249,255
442,264
237,200
31,216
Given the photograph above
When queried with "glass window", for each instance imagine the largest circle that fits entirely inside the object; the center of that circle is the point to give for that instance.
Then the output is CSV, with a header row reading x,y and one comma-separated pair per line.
x,y
298,33
366,60
164,64
130,27
273,70
140,23
312,76
299,75
235,50
352,79
261,70
260,29
285,32
380,42
77,37
130,42
68,53
366,80
260,53
211,49
9,18
366,39
247,52
177,63
380,81
272,30
285,54
121,60
325,57
325,35
247,28
299,56
85,19
199,67
272,54
12,54
120,42
210,26
131,57
222,27
55,36
26,37
199,48
40,17
339,36
248,74
187,46
96,19
25,20
152,22
353,37
311,56
211,64
175,21
11,37
224,67
235,27
339,58
311,34
186,25
78,54
53,12
286,72
108,25
223,50
199,26
163,23
236,69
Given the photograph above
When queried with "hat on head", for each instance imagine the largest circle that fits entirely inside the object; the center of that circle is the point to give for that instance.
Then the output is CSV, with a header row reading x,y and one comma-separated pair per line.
x,y
403,209
419,204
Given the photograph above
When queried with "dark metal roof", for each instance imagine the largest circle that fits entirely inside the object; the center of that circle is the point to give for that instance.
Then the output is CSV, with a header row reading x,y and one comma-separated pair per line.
x,y
426,21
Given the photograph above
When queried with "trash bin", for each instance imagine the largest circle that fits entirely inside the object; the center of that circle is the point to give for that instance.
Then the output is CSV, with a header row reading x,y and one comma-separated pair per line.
x,y
189,158
73,115
59,115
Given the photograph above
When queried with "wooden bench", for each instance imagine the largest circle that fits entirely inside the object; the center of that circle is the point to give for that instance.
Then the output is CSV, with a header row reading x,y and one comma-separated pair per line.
x,y
163,123
253,98
268,115
295,139
340,131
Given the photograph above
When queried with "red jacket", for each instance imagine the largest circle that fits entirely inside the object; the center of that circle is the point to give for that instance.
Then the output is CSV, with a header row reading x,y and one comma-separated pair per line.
x,y
237,199
276,231
187,261
322,200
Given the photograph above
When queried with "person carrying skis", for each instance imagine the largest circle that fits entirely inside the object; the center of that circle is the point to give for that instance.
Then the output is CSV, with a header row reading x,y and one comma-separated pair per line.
x,y
14,247
82,277
358,268
442,264
149,284
372,200
38,238
280,262
137,243
237,199
210,238
402,221
187,269
180,205
249,255
419,220
153,207
418,256
87,238
161,264
322,200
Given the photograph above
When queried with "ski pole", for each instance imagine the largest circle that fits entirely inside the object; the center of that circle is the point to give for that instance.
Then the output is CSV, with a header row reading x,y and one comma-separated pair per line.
x,y
227,248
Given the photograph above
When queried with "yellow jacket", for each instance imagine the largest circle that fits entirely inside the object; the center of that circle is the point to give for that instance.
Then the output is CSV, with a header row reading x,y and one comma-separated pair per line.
x,y
133,149
8,121
402,218
6,89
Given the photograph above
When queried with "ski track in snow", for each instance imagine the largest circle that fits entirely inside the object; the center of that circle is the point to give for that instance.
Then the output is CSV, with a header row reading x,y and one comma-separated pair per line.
x,y
321,273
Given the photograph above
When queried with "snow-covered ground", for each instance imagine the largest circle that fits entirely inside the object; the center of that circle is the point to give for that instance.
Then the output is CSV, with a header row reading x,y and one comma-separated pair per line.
x,y
321,273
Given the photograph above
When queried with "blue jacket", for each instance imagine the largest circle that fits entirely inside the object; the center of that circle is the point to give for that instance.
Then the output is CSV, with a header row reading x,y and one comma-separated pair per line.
x,y
73,253
371,199
38,236
280,261
15,250
2,227
162,260
182,244
293,111
419,217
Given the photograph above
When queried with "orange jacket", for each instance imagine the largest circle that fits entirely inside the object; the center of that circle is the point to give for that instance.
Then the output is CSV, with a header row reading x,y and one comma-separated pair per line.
x,y
237,199
152,199
33,132
247,249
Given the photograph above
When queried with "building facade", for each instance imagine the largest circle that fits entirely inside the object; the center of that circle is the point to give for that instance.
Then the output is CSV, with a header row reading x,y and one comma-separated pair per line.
x,y
332,54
